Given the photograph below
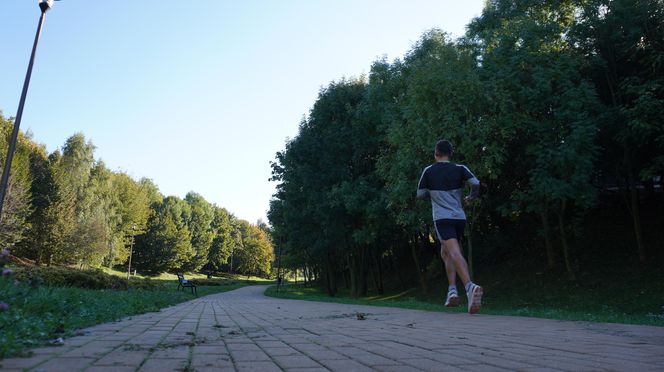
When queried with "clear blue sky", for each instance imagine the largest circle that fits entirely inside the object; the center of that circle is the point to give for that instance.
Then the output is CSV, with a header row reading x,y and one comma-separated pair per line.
x,y
199,95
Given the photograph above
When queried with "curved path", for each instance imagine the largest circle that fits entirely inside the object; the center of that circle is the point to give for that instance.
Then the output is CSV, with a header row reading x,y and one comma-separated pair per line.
x,y
246,331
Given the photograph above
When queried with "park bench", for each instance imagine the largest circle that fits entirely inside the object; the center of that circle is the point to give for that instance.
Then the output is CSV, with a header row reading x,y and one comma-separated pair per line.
x,y
184,283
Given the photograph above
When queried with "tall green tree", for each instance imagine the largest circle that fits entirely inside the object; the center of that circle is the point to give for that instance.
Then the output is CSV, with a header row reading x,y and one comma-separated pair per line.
x,y
166,244
44,194
254,255
133,210
546,108
623,43
221,246
199,222
14,222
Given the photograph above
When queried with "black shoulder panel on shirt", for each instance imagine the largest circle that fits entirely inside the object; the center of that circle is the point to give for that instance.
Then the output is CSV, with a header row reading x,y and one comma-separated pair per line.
x,y
445,176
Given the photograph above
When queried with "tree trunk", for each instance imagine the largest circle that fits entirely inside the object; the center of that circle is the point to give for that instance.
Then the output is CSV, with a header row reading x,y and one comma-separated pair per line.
x,y
471,223
363,272
636,221
108,261
470,251
331,287
634,208
333,277
550,258
418,267
397,267
563,239
346,279
379,268
376,275
373,274
330,281
352,269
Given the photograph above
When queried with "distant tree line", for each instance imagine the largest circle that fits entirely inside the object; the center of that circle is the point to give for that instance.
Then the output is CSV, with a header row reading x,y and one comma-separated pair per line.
x,y
67,208
555,105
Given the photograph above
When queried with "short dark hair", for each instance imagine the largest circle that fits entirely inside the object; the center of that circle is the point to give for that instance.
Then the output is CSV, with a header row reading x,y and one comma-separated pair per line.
x,y
444,148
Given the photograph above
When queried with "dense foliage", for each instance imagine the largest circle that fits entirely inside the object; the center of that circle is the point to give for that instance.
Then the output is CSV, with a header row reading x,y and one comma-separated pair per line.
x,y
555,105
91,279
67,208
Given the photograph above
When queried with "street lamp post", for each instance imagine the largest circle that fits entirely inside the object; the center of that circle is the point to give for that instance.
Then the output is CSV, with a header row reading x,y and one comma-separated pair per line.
x,y
45,6
279,278
131,249
232,256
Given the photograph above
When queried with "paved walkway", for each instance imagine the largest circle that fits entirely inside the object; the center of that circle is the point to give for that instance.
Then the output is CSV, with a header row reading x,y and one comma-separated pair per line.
x,y
243,330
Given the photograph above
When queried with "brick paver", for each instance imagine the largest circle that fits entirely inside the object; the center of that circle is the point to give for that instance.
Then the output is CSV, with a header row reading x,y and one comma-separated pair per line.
x,y
243,330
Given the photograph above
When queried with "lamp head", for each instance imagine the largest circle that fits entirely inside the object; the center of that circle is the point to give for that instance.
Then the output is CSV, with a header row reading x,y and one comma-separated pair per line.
x,y
46,5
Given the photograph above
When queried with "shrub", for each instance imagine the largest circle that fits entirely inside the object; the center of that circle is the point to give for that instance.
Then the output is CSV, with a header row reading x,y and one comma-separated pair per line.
x,y
66,277
146,284
6,273
212,282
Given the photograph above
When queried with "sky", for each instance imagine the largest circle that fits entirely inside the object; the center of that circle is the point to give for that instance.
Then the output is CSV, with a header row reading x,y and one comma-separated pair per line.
x,y
199,95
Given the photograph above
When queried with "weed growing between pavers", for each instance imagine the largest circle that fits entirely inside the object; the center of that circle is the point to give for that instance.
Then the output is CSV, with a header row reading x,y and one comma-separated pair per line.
x,y
358,316
168,345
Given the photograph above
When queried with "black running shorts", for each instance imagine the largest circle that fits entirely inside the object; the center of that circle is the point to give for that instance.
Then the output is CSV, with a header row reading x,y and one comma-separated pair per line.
x,y
449,229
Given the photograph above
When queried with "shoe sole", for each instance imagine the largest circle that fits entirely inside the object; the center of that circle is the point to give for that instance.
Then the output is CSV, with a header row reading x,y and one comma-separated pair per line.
x,y
452,302
476,300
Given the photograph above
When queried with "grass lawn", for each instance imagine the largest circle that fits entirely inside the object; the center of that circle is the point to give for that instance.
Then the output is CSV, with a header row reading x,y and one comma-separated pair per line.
x,y
38,315
637,300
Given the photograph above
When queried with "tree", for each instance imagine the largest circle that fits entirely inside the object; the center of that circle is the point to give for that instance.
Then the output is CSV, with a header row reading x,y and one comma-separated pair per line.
x,y
221,247
44,194
546,108
133,209
166,245
16,210
622,42
75,233
437,94
255,254
61,216
199,223
321,158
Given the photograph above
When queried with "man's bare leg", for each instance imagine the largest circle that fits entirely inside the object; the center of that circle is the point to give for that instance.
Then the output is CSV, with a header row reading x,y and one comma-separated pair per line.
x,y
449,266
453,252
474,292
452,299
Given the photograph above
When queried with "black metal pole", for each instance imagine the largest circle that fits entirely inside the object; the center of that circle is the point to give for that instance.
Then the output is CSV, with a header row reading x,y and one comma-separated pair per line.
x,y
131,253
279,278
131,249
4,182
232,254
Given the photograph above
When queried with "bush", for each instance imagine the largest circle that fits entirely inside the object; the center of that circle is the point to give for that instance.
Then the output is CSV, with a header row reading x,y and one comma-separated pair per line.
x,y
212,282
146,284
66,277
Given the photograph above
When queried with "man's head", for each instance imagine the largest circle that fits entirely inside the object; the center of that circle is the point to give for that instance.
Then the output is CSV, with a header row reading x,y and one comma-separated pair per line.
x,y
443,150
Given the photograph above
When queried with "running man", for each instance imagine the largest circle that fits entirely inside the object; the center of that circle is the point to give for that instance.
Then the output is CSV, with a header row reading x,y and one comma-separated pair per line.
x,y
443,183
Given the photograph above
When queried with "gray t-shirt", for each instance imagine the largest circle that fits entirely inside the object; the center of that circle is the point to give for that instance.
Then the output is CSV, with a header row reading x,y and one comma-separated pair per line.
x,y
443,183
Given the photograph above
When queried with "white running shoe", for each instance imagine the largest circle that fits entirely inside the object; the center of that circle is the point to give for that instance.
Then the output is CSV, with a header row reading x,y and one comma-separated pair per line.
x,y
452,299
474,299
